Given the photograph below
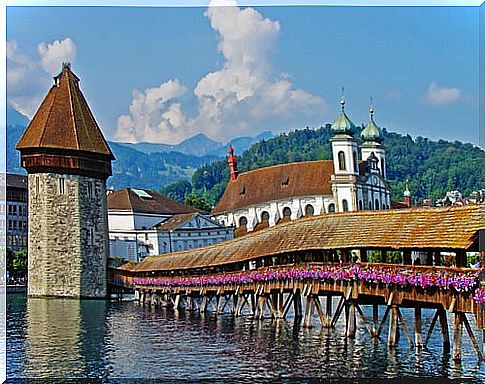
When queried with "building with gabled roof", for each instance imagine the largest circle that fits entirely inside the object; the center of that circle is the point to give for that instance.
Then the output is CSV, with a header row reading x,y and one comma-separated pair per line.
x,y
143,222
354,180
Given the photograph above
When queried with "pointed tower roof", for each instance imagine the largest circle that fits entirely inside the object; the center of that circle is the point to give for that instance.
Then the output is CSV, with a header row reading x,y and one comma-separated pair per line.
x,y
371,132
63,136
64,120
343,125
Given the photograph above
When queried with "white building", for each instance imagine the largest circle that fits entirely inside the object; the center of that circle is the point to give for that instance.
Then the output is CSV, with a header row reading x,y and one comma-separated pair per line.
x,y
143,223
353,180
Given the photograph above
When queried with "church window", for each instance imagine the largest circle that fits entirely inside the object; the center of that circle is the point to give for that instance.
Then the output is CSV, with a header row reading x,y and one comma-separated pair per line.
x,y
243,221
264,216
356,163
309,210
341,161
345,205
286,212
370,205
360,205
331,208
382,168
377,204
62,188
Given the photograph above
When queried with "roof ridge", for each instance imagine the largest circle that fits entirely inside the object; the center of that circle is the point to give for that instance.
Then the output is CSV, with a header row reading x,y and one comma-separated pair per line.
x,y
285,164
71,107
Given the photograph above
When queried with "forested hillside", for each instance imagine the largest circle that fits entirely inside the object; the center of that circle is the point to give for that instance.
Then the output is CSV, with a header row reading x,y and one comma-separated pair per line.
x,y
432,167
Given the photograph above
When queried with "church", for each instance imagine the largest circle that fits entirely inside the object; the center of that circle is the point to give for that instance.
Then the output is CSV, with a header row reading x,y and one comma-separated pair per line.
x,y
265,197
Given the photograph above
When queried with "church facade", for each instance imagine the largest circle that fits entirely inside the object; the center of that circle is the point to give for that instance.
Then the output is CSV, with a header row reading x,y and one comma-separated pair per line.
x,y
354,180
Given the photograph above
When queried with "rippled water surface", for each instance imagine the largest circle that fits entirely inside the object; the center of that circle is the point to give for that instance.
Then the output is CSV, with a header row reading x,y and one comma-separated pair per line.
x,y
67,338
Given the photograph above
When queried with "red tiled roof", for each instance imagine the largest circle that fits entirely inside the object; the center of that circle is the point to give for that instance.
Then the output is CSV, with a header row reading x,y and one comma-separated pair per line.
x,y
128,200
306,178
64,121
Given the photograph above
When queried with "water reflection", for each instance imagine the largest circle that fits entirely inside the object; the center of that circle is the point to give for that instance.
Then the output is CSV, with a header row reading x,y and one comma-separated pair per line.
x,y
68,338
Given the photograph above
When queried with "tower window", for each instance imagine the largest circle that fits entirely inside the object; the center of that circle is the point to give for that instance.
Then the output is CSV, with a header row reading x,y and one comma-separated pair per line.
x,y
341,161
91,189
377,204
331,208
356,163
286,212
345,205
309,211
382,168
360,205
62,188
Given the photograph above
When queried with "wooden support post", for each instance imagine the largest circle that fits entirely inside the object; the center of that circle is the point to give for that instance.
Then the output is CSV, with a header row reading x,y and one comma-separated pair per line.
x,y
472,337
338,311
297,305
393,336
429,258
461,258
418,337
318,306
444,328
328,311
281,305
406,257
405,328
351,323
375,320
308,319
436,258
363,255
457,336
431,327
177,301
203,306
361,313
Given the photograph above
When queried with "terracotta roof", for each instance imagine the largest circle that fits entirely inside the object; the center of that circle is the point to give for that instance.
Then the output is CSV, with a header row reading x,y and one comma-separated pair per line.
x,y
17,181
64,120
175,221
132,200
428,228
306,178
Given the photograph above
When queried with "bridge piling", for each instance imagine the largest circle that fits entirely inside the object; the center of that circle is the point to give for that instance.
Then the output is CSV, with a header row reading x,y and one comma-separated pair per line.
x,y
418,337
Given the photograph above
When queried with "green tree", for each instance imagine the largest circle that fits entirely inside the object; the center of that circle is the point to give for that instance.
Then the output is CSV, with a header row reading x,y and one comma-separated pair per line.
x,y
178,190
197,202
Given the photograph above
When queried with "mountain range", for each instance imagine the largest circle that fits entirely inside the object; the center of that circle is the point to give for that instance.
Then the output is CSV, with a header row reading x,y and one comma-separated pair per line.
x,y
143,165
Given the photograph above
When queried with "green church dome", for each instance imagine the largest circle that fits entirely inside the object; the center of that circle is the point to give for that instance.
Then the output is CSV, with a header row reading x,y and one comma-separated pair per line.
x,y
343,125
372,132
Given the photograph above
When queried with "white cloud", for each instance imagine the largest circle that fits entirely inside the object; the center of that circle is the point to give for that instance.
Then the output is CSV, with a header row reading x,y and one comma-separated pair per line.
x,y
236,99
28,79
54,54
441,95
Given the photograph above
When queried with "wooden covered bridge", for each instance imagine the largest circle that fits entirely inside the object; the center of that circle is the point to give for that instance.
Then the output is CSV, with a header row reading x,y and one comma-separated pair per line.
x,y
328,267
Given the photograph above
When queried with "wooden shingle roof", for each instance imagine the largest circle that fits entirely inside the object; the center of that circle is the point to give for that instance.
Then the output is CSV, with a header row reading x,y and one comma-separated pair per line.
x,y
425,228
277,182
64,121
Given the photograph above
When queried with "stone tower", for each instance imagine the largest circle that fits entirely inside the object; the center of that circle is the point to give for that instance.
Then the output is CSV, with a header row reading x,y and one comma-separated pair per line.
x,y
68,161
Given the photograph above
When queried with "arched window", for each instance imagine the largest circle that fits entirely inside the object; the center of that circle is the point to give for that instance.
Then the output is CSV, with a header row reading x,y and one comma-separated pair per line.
x,y
309,210
356,163
377,204
345,205
264,216
243,221
286,212
331,208
370,205
341,161
360,205
382,168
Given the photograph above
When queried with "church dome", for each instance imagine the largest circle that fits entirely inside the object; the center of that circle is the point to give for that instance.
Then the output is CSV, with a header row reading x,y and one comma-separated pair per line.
x,y
372,132
343,125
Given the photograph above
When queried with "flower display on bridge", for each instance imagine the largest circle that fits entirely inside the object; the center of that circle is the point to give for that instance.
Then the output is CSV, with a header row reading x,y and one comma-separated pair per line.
x,y
460,281
479,295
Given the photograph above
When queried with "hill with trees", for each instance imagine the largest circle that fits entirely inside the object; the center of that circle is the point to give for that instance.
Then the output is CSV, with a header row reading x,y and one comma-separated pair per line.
x,y
432,167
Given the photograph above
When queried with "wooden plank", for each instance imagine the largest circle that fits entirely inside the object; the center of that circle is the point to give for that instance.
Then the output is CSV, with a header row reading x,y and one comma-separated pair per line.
x,y
318,306
405,327
431,327
457,336
351,324
472,337
393,336
338,311
444,328
383,321
418,337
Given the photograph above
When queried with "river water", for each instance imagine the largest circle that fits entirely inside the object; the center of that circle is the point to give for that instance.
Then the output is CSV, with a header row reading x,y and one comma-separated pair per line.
x,y
54,338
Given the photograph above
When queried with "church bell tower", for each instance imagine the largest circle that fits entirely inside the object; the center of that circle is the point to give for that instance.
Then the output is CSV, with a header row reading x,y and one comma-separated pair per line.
x,y
68,161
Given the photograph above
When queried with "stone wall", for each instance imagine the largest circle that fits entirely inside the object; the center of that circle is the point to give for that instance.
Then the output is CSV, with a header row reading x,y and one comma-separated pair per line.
x,y
68,236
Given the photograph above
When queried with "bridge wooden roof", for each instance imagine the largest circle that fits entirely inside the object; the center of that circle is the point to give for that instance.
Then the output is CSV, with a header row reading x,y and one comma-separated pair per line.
x,y
424,228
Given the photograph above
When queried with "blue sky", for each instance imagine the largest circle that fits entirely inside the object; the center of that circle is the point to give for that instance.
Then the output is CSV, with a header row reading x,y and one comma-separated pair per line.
x,y
281,68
